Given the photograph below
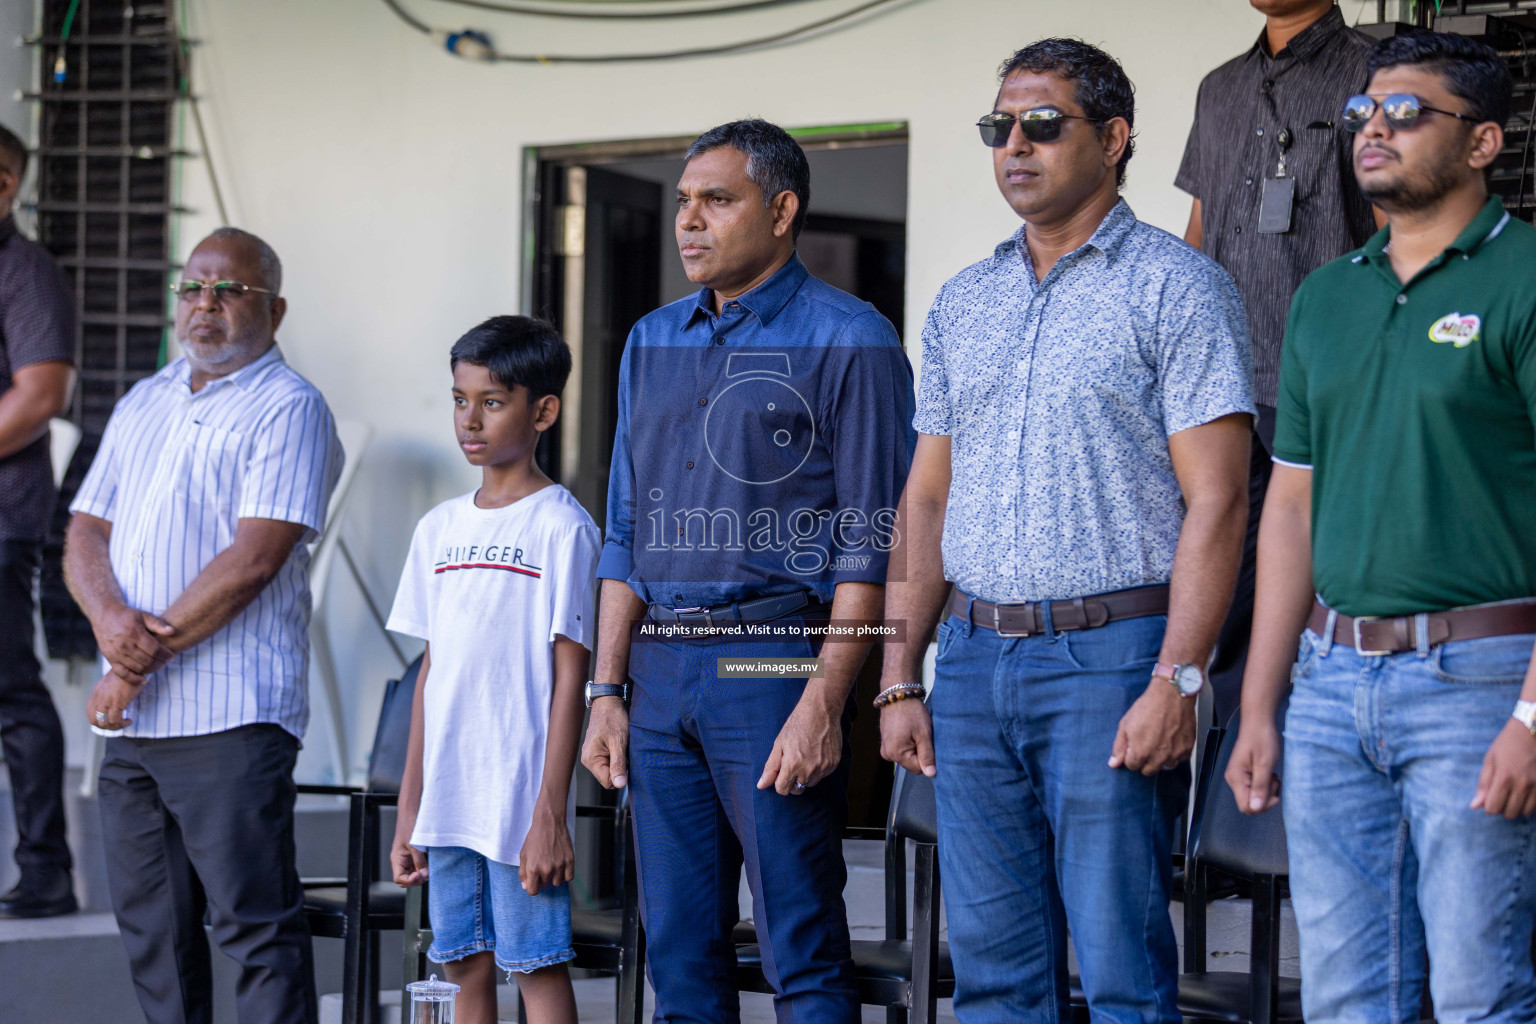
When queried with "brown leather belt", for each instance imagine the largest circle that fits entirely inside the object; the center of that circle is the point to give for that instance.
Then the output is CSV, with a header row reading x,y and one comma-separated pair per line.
x,y
1024,619
1371,637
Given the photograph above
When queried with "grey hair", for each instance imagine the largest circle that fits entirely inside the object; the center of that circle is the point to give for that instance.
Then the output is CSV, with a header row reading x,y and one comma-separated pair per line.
x,y
775,161
267,263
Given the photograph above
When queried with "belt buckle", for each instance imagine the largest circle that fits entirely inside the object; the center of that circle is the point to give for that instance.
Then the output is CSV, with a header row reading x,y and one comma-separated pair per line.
x,y
1355,623
997,623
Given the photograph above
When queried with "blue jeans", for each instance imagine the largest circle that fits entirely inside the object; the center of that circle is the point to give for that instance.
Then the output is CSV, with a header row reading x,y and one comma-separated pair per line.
x,y
698,743
1038,833
1382,757
478,904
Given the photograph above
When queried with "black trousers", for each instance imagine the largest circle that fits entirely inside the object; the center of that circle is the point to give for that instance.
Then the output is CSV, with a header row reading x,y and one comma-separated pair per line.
x,y
1232,644
30,734
206,823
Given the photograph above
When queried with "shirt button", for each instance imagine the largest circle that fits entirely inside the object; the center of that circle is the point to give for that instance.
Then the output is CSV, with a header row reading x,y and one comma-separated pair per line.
x,y
1237,230
1247,181
679,533
703,401
1261,131
689,464
678,598
719,341
1402,300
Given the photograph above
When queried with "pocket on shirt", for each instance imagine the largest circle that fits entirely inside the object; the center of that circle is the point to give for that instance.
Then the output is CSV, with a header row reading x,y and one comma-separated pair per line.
x,y
208,470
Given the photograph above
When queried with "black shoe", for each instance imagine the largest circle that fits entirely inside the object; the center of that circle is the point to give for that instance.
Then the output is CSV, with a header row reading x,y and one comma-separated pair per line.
x,y
30,901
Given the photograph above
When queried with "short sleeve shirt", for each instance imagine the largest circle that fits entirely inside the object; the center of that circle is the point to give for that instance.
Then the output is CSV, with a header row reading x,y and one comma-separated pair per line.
x,y
37,325
176,472
1414,405
490,589
1232,149
1058,399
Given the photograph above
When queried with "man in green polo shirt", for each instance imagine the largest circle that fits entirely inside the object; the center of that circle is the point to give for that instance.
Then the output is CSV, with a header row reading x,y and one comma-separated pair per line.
x,y
1404,497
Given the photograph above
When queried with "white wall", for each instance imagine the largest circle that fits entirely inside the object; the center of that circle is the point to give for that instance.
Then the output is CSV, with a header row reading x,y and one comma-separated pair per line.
x,y
388,174
16,73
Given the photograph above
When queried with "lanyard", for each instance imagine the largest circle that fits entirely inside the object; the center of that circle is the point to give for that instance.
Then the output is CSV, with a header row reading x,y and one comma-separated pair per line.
x,y
1283,136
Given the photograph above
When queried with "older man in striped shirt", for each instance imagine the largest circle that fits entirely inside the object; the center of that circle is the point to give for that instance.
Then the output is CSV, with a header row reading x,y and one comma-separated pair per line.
x,y
188,553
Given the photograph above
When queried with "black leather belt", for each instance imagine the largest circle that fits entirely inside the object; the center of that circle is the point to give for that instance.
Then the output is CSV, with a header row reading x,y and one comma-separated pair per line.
x,y
757,609
1024,618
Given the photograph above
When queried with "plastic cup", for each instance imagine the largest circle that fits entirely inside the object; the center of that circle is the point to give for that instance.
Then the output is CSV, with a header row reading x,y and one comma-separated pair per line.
x,y
432,1001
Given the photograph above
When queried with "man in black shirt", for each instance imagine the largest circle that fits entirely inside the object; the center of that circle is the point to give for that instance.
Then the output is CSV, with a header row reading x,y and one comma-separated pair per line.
x,y
1275,198
37,344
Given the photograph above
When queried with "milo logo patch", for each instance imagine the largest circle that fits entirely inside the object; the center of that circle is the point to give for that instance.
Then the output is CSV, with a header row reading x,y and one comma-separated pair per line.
x,y
1455,329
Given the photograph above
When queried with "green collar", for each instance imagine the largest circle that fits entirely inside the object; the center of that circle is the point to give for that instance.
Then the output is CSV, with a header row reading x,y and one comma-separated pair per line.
x,y
1482,229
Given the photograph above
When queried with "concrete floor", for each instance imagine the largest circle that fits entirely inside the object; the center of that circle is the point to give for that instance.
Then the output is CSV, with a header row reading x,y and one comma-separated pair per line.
x,y
75,969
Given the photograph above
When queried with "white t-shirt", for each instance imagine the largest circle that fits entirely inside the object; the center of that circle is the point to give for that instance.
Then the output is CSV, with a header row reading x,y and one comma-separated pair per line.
x,y
489,588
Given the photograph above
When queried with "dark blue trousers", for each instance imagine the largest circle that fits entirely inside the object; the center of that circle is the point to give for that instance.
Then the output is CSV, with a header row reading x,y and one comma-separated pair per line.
x,y
698,744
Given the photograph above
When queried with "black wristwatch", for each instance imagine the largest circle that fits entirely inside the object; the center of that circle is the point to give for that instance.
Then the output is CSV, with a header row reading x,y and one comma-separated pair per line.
x,y
596,690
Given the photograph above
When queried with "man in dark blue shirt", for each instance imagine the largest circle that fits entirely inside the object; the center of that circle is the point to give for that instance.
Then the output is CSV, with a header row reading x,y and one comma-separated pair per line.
x,y
763,440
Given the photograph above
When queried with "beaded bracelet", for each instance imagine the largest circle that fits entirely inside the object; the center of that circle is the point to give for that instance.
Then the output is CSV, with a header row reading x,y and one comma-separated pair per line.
x,y
901,691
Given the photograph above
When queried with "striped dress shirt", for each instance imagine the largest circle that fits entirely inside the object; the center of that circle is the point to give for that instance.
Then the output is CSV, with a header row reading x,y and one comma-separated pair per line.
x,y
175,473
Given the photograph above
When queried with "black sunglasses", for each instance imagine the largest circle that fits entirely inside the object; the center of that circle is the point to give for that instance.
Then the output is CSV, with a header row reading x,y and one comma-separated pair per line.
x,y
1401,109
1042,124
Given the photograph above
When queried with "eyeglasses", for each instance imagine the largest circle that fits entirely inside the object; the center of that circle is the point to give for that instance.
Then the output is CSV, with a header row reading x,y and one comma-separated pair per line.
x,y
1042,124
192,291
1401,110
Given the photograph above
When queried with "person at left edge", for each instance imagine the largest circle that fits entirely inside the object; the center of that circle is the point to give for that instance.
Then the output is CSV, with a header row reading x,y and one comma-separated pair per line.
x,y
37,347
762,440
188,551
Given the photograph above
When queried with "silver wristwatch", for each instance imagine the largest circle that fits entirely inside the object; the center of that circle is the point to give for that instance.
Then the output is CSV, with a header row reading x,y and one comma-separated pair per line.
x,y
1187,679
1525,714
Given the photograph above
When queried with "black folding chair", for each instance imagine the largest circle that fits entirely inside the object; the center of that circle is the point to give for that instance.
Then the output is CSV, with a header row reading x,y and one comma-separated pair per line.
x,y
357,908
907,975
609,940
1251,848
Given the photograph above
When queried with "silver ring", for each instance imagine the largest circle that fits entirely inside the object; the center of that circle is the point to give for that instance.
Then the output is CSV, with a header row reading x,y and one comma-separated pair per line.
x,y
799,785
101,716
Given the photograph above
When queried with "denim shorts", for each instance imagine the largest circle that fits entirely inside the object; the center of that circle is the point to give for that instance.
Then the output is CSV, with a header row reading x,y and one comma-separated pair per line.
x,y
477,904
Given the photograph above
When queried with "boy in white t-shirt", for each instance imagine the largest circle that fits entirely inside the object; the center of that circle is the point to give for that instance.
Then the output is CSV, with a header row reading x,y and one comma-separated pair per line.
x,y
499,582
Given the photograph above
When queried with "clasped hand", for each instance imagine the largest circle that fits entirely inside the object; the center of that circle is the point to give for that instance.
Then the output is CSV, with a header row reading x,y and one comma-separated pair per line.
x,y
109,700
133,642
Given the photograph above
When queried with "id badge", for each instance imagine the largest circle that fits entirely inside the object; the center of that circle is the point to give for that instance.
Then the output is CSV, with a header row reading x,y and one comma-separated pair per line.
x,y
1275,203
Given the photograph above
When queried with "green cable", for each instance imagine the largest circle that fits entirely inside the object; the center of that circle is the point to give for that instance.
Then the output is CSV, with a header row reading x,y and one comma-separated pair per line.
x,y
60,66
69,20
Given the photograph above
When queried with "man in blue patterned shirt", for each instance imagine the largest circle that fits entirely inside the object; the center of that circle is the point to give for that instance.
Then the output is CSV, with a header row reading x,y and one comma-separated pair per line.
x,y
1081,476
